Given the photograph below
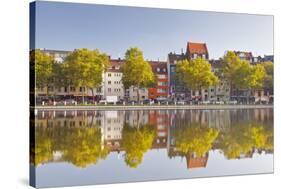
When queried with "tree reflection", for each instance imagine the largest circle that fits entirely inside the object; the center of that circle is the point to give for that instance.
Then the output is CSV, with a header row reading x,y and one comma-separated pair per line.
x,y
83,146
136,141
79,145
244,138
195,138
43,146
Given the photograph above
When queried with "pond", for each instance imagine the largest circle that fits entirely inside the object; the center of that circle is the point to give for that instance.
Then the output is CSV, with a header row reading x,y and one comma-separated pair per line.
x,y
98,147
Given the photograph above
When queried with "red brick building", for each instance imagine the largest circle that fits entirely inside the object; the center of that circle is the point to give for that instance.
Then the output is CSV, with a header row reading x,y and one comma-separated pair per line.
x,y
161,90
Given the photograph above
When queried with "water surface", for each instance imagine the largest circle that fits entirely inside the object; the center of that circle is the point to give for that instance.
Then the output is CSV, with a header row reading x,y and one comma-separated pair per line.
x,y
96,147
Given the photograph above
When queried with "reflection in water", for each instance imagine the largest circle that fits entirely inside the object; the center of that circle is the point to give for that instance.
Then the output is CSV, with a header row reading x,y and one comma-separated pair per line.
x,y
85,137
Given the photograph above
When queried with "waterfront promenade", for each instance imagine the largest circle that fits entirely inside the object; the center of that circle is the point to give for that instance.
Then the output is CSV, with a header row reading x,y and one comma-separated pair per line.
x,y
151,107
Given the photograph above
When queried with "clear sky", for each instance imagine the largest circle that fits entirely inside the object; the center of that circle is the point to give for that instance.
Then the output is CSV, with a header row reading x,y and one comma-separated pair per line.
x,y
113,29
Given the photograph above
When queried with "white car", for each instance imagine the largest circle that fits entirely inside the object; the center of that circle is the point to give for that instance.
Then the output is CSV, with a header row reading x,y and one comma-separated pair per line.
x,y
219,102
206,102
180,102
233,102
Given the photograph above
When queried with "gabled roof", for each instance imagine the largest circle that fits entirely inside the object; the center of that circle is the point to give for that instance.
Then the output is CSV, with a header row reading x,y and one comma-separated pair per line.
x,y
198,48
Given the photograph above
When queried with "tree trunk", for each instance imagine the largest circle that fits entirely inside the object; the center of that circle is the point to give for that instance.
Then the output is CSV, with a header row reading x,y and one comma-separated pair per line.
x,y
92,89
83,98
138,95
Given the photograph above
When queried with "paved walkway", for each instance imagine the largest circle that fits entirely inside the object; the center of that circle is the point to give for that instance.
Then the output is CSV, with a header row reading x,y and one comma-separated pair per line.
x,y
152,107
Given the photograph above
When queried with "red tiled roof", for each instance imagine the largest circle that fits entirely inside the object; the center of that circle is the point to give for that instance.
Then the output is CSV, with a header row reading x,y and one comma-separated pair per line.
x,y
196,162
199,48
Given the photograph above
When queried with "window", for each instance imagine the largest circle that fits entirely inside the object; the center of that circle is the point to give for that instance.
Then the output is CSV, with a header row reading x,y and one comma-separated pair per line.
x,y
109,82
158,69
72,89
50,88
162,83
204,56
65,89
161,90
109,74
109,89
194,55
82,89
99,90
161,76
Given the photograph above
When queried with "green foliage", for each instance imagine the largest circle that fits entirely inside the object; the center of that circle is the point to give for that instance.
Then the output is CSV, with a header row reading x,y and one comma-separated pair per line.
x,y
135,142
85,67
196,74
242,74
268,81
195,139
136,71
43,69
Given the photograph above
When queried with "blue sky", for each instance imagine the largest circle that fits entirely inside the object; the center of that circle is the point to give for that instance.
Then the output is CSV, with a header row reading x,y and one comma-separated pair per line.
x,y
113,29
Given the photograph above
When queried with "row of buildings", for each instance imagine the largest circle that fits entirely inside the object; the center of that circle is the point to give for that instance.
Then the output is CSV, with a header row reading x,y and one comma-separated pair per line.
x,y
167,85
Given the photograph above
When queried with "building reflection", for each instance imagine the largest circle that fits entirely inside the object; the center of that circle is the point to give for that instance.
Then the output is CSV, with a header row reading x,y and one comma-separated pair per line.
x,y
189,134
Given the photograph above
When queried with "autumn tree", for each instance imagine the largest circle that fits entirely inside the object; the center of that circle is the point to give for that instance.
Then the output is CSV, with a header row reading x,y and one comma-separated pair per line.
x,y
84,68
135,142
136,71
196,74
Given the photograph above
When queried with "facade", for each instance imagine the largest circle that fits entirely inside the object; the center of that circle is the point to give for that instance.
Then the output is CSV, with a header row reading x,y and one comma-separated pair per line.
x,y
195,50
248,56
161,90
176,88
112,83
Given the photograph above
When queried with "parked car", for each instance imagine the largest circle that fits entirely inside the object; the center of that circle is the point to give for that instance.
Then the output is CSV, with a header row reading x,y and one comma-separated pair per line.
x,y
206,102
219,102
180,102
148,101
102,102
233,102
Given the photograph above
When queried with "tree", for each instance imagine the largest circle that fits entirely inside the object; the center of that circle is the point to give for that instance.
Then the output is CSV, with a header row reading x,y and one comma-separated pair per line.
x,y
136,141
43,69
136,71
268,80
196,74
241,74
84,68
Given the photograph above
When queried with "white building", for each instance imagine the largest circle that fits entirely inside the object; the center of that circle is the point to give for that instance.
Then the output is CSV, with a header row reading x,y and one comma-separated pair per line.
x,y
112,83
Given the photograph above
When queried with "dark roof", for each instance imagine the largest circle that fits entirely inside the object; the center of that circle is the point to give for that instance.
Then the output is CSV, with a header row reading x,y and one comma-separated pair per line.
x,y
248,55
158,64
172,57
